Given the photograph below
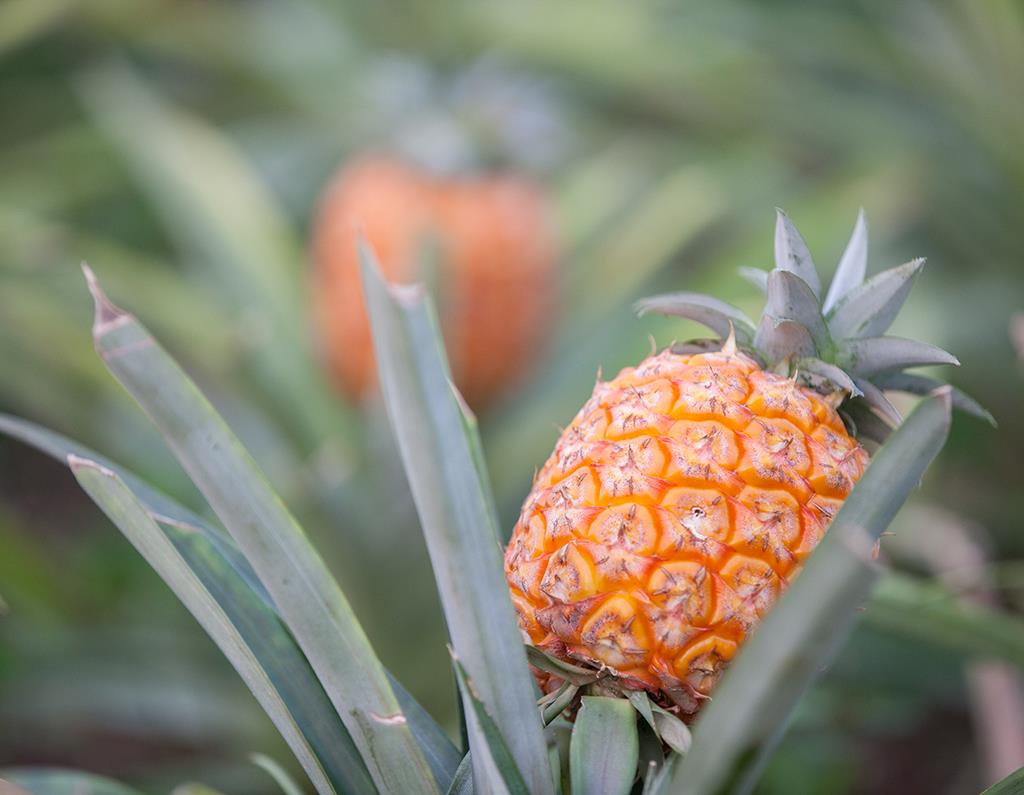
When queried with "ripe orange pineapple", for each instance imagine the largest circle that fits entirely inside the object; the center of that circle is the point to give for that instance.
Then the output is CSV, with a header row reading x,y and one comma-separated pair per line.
x,y
688,490
495,267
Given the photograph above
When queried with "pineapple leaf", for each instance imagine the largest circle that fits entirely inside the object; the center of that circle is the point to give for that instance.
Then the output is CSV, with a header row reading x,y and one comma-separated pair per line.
x,y
871,355
780,341
927,612
652,757
675,734
242,628
462,783
828,373
717,315
791,253
483,726
281,777
668,728
1013,784
790,298
307,596
605,747
459,522
876,399
230,226
754,700
853,265
560,700
867,425
54,781
560,668
922,385
756,276
870,308
227,571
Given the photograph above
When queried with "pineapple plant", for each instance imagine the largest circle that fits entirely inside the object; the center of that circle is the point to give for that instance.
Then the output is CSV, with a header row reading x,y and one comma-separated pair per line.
x,y
484,242
264,595
690,489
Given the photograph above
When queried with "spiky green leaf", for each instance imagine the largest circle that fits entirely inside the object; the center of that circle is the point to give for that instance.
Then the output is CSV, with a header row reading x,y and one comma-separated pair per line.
x,y
462,782
927,612
558,702
673,732
923,385
870,308
53,781
790,298
279,677
871,355
231,228
605,749
753,702
307,596
214,558
756,276
491,742
281,777
868,426
791,253
853,265
716,315
560,668
1013,784
783,340
824,373
459,523
877,400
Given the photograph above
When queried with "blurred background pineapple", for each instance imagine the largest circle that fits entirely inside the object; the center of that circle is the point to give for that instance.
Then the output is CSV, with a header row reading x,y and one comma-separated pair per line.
x,y
565,160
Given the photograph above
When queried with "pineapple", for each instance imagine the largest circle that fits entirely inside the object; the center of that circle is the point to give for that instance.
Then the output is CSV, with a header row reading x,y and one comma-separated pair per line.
x,y
689,490
496,249
651,546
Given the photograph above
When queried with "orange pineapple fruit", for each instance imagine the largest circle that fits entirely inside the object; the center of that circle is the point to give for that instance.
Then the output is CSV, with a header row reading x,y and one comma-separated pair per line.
x,y
487,244
689,490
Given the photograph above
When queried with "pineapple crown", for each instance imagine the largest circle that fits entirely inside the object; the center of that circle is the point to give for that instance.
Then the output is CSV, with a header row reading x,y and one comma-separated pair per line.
x,y
832,341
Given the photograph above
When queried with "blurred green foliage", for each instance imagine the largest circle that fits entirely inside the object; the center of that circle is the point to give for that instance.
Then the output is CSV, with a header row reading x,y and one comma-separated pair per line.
x,y
180,147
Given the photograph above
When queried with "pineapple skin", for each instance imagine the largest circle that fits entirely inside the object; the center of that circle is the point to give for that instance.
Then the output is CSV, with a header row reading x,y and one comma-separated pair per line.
x,y
495,279
674,510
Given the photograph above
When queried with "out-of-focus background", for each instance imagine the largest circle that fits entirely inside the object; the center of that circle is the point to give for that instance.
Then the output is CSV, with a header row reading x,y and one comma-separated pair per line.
x,y
182,147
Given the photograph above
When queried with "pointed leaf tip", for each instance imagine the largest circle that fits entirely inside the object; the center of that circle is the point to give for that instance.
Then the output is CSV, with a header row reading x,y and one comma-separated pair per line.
x,y
77,462
407,295
107,314
852,268
792,254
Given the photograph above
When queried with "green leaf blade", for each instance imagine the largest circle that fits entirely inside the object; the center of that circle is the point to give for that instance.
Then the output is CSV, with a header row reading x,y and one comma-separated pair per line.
x,y
853,265
458,521
307,596
792,254
1013,784
605,747
716,315
870,308
212,554
235,625
53,781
